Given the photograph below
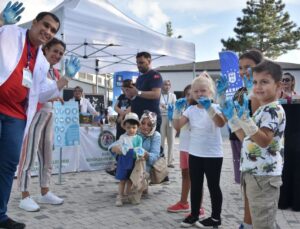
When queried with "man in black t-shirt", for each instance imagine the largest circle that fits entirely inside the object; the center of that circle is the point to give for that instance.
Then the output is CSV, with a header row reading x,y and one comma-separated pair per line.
x,y
146,94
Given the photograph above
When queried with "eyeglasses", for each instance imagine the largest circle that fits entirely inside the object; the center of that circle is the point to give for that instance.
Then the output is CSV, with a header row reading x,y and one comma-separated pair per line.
x,y
285,80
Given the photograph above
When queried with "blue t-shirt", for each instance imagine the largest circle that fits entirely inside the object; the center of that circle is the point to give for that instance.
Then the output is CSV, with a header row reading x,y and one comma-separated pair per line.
x,y
146,82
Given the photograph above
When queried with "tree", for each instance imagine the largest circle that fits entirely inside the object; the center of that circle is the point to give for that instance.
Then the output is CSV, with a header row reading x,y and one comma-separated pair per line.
x,y
169,29
264,26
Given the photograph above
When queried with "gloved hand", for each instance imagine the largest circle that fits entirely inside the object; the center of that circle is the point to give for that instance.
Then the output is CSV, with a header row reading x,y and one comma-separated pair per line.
x,y
139,151
248,83
229,112
247,124
170,112
206,103
72,66
228,109
180,104
11,12
221,85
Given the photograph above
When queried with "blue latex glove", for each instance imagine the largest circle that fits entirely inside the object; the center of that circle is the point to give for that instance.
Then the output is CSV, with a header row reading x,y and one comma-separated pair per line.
x,y
248,83
180,104
205,102
222,85
139,151
228,109
170,112
11,13
72,66
243,110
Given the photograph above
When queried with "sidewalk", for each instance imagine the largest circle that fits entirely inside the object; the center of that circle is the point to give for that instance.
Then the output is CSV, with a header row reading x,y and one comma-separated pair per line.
x,y
90,203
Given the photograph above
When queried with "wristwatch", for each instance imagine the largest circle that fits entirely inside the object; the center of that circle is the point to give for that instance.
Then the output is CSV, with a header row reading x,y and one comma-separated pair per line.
x,y
139,93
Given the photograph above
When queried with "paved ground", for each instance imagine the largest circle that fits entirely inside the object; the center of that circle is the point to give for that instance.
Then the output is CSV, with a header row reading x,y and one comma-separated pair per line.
x,y
90,197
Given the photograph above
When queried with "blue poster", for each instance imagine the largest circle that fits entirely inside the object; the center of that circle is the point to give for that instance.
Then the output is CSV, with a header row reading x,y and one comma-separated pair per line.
x,y
229,62
66,124
118,79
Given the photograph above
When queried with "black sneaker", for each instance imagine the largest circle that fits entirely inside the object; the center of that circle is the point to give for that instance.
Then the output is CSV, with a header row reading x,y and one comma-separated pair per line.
x,y
189,221
165,180
208,223
111,172
11,224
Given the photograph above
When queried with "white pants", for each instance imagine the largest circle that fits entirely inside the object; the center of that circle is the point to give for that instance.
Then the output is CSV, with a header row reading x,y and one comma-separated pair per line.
x,y
167,130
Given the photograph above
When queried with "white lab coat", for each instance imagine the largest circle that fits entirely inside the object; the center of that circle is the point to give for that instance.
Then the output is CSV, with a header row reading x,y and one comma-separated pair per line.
x,y
86,106
12,41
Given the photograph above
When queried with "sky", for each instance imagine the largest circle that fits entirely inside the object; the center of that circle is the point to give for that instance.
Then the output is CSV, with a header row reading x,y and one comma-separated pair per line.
x,y
203,22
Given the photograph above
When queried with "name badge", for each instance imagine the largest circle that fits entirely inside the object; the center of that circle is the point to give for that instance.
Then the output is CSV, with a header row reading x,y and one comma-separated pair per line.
x,y
27,78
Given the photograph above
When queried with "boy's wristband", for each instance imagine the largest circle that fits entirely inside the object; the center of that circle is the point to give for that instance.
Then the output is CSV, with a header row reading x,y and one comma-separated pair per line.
x,y
234,124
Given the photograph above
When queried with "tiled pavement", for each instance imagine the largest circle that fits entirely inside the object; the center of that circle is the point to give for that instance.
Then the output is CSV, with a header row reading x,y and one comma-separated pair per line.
x,y
90,197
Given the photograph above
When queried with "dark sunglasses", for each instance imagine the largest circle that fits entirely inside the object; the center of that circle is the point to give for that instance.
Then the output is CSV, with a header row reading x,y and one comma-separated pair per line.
x,y
285,80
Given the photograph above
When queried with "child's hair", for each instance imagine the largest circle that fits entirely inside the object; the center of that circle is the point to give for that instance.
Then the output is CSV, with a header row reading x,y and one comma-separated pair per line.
x,y
254,55
292,78
205,79
190,101
131,122
271,68
127,83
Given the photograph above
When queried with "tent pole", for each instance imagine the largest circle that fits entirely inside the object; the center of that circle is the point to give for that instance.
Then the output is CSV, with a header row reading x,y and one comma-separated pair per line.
x,y
194,70
105,91
97,71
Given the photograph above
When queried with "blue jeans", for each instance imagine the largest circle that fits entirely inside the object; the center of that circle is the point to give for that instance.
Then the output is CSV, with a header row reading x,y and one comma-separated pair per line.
x,y
11,137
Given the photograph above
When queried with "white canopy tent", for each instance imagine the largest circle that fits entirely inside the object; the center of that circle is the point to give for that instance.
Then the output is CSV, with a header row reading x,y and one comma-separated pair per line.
x,y
107,41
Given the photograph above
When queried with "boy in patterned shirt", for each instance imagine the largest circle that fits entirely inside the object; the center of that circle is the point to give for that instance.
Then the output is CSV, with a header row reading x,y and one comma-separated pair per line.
x,y
262,136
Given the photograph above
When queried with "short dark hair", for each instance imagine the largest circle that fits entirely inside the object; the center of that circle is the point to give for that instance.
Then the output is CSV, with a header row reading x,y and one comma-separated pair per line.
x,y
254,55
78,87
41,15
131,122
143,54
271,68
127,83
53,42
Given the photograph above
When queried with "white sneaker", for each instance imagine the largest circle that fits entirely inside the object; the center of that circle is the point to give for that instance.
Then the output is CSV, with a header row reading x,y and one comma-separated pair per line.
x,y
50,198
28,204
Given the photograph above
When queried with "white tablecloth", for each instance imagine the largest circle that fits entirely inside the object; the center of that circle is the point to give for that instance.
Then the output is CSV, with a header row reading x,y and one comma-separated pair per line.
x,y
86,157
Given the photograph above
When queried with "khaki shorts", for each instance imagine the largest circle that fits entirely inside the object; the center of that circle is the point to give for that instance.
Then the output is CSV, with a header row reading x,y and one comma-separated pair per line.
x,y
263,195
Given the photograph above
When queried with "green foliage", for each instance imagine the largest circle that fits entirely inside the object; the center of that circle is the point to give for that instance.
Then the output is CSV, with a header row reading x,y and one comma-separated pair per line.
x,y
264,26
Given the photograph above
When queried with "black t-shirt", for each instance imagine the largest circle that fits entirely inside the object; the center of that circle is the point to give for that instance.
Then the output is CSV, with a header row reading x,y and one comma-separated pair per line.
x,y
123,102
146,82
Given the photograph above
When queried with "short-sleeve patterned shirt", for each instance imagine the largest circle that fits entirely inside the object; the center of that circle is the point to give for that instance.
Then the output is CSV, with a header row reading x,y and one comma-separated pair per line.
x,y
269,160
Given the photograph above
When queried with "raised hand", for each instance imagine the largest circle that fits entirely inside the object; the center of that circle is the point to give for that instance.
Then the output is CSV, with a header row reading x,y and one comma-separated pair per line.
x,y
72,66
180,104
170,112
205,102
248,83
228,109
243,111
11,13
221,85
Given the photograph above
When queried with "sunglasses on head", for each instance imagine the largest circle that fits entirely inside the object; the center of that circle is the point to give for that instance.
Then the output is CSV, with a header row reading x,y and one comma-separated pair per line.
x,y
286,80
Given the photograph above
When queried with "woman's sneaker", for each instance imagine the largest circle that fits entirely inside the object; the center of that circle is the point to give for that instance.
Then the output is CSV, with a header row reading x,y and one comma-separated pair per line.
x,y
208,223
179,207
119,201
189,221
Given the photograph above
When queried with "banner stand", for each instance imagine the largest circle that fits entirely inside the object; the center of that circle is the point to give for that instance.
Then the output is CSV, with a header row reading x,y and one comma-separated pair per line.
x,y
60,181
